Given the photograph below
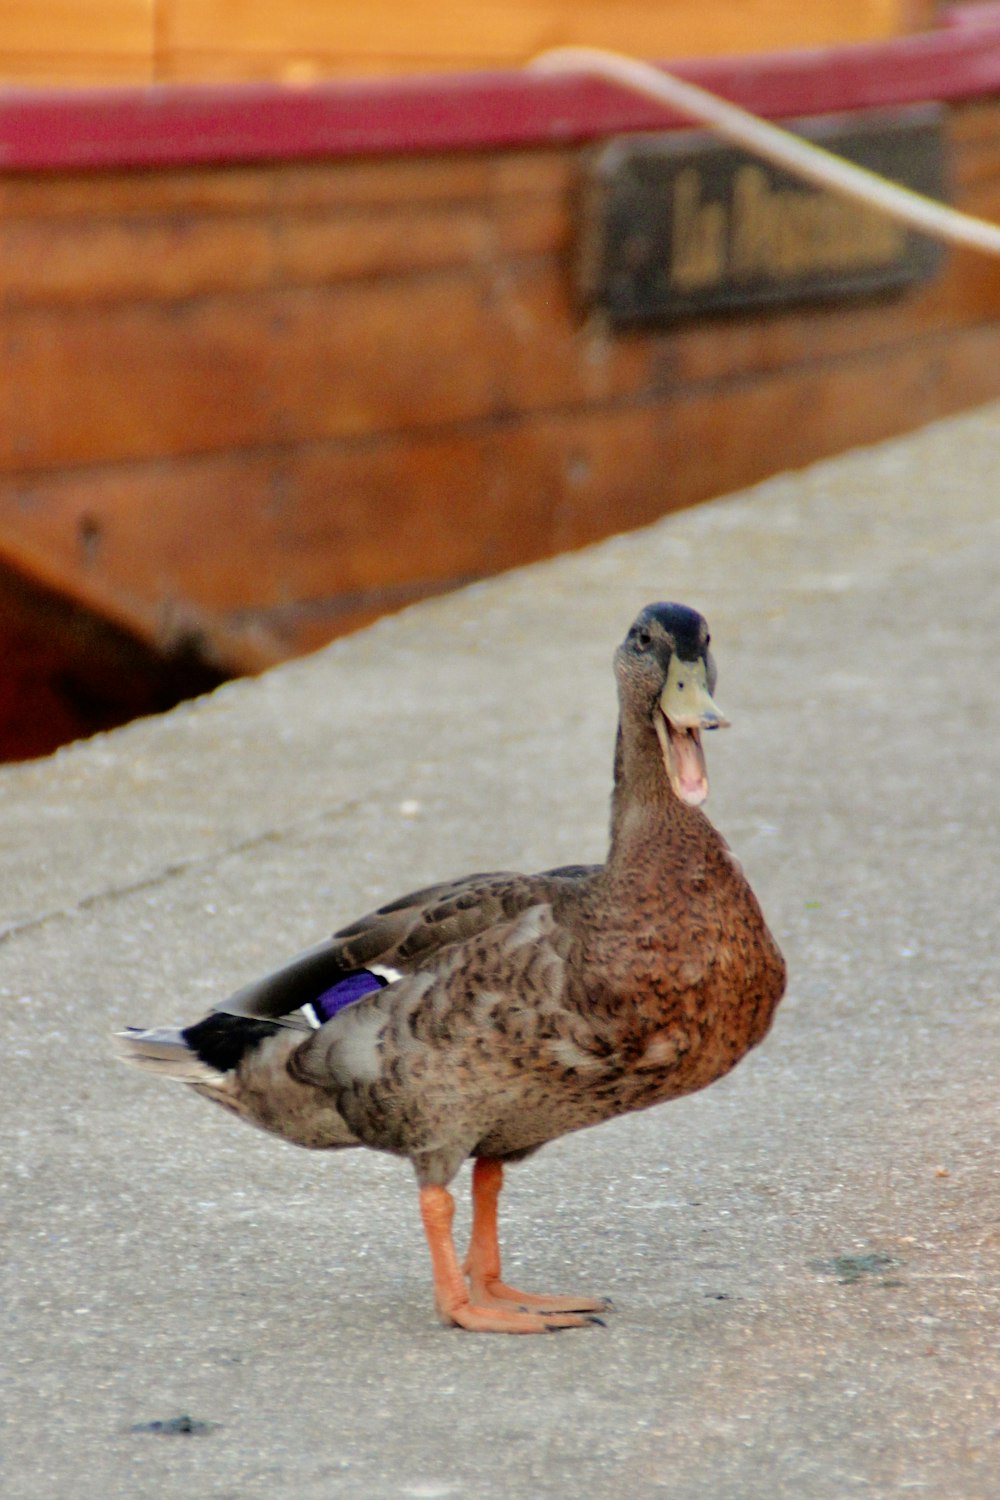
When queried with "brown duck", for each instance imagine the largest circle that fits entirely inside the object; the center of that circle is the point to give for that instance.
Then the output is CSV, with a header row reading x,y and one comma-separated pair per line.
x,y
486,1016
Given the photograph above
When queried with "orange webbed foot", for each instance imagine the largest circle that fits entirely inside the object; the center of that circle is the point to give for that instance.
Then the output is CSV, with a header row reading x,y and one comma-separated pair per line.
x,y
485,1311
482,1264
492,1292
499,1318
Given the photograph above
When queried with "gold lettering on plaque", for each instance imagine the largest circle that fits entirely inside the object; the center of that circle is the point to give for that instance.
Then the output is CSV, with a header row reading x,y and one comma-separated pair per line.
x,y
784,232
698,256
772,231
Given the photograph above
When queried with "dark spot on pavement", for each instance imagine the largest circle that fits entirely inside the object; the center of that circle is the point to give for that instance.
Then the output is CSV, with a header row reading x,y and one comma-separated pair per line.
x,y
183,1426
851,1268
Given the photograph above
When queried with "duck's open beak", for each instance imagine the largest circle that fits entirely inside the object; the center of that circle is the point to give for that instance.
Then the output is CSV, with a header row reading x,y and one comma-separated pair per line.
x,y
685,708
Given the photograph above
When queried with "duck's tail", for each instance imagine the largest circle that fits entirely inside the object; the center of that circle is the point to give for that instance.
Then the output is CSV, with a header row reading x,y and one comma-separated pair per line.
x,y
242,1064
164,1051
201,1054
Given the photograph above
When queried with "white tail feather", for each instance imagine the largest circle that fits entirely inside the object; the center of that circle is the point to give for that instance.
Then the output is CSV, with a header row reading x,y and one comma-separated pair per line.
x,y
163,1051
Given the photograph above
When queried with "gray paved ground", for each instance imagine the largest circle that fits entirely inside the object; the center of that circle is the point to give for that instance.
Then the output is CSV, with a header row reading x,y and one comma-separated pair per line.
x,y
804,1258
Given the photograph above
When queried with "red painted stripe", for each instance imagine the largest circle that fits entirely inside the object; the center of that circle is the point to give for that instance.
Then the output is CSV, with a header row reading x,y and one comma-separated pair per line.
x,y
173,125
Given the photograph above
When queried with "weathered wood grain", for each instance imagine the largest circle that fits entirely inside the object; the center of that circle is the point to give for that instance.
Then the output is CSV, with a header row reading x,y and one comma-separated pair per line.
x,y
116,41
177,549
260,404
212,38
99,41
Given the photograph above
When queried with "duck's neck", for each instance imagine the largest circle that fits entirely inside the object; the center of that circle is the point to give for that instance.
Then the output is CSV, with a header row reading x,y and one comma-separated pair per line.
x,y
646,814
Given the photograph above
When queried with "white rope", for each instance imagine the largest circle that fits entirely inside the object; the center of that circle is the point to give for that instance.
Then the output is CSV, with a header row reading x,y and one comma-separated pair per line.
x,y
799,156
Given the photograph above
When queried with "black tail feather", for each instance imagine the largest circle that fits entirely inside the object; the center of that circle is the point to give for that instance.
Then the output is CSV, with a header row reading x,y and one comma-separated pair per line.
x,y
222,1041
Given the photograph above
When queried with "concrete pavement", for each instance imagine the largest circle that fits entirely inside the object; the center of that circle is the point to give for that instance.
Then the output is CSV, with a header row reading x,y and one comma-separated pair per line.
x,y
805,1258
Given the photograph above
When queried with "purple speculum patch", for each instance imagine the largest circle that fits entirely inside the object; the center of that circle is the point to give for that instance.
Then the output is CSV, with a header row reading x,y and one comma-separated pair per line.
x,y
345,992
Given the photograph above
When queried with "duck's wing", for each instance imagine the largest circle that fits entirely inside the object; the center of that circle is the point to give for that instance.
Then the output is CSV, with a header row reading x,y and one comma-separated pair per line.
x,y
405,935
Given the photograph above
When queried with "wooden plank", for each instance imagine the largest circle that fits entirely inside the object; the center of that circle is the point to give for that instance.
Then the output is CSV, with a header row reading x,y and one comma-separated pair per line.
x,y
973,164
63,41
306,187
542,178
496,334
201,37
373,182
90,384
973,167
225,67
58,70
93,385
86,385
182,257
973,123
124,534
168,235
165,259
541,171
119,195
146,247
964,371
98,27
375,440
985,200
551,359
336,522
533,227
116,40
614,470
387,242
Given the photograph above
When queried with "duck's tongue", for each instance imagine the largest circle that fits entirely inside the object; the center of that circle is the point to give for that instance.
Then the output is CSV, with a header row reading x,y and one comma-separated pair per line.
x,y
686,765
684,709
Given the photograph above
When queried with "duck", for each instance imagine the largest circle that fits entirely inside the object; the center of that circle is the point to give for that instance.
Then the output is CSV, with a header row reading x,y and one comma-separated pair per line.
x,y
481,1018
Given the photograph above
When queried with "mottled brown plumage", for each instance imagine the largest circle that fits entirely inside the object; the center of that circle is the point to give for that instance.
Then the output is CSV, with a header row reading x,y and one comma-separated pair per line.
x,y
521,1007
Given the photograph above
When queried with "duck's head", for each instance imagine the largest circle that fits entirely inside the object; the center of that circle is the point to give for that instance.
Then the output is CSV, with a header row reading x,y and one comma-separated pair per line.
x,y
666,677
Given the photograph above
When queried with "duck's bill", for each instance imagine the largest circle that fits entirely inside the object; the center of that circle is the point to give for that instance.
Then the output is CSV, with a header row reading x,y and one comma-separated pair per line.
x,y
685,709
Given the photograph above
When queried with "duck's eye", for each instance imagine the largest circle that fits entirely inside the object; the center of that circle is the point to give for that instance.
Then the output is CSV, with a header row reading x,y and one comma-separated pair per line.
x,y
643,638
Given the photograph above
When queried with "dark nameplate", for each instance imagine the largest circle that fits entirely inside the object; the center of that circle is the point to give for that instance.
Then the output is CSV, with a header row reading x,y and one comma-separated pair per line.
x,y
676,225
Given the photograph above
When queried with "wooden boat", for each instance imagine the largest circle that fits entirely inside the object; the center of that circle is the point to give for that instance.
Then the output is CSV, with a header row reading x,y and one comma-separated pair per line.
x,y
279,358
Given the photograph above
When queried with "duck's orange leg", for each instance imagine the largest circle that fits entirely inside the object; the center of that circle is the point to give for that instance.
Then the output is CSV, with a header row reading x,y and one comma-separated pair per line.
x,y
482,1264
437,1208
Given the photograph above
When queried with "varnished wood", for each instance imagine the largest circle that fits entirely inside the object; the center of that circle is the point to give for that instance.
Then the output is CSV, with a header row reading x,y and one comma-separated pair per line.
x,y
56,41
99,41
258,406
